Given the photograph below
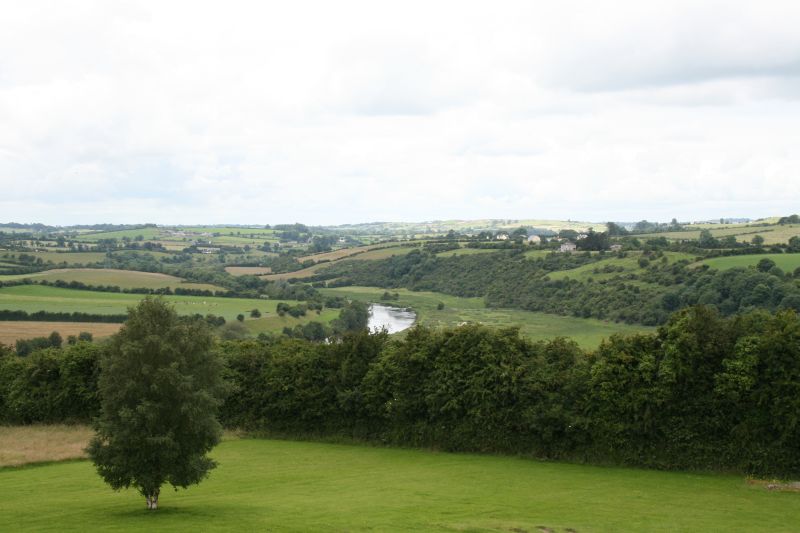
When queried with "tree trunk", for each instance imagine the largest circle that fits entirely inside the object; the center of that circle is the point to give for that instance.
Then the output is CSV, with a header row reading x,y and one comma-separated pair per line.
x,y
152,500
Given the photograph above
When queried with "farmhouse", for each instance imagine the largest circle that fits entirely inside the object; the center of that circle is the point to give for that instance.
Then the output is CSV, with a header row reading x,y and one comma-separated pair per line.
x,y
534,239
568,247
502,237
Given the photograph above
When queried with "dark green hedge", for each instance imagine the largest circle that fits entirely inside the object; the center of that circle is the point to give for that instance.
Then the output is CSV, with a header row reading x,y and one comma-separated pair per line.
x,y
705,392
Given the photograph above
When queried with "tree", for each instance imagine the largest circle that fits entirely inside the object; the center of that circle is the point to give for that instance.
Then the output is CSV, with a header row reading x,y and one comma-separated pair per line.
x,y
240,317
160,387
758,240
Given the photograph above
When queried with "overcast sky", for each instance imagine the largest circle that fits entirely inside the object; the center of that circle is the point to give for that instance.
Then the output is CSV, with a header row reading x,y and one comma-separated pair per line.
x,y
339,112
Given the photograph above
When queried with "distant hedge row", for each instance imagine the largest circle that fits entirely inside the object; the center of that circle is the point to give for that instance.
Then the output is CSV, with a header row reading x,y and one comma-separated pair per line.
x,y
50,316
705,392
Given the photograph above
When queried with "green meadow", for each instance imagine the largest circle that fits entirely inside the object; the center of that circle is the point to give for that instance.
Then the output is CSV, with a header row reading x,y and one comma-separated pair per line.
x,y
622,265
786,262
127,279
537,326
271,485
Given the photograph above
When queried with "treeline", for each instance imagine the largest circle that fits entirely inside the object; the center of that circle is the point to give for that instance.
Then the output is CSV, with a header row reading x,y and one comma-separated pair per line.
x,y
59,316
704,392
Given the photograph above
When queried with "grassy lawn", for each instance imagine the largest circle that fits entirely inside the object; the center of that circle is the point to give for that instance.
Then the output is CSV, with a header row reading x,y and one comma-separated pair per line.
x,y
786,262
268,485
127,279
537,326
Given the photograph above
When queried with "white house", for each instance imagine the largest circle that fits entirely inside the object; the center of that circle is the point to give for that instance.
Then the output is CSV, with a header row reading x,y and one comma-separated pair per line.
x,y
534,239
568,247
502,237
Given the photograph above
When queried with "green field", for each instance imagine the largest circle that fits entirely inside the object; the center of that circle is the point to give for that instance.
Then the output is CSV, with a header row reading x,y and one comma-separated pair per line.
x,y
537,326
127,279
146,233
268,485
773,234
786,262
40,298
466,251
629,264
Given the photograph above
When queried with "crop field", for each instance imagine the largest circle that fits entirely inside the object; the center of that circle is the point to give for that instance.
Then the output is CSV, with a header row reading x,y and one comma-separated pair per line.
x,y
128,279
338,254
146,234
271,485
743,233
465,251
247,271
786,262
12,330
40,298
20,445
537,326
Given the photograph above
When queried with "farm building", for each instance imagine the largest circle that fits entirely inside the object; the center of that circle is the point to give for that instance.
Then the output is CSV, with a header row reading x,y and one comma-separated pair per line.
x,y
568,247
534,239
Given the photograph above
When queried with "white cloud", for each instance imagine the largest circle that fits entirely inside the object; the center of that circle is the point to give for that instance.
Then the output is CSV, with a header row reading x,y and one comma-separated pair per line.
x,y
354,111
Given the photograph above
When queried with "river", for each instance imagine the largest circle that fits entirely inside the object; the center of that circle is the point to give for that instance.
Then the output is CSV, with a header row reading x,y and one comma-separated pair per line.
x,y
394,319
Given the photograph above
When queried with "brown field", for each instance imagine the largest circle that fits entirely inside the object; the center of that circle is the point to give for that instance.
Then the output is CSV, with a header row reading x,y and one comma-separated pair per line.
x,y
10,331
20,445
339,254
244,271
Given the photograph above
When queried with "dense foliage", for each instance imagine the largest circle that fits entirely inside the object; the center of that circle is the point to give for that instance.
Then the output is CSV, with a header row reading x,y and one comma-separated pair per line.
x,y
704,392
160,388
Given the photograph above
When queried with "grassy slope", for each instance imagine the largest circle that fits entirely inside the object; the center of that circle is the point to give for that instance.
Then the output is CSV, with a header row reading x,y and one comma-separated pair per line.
x,y
786,262
629,264
123,278
586,332
264,485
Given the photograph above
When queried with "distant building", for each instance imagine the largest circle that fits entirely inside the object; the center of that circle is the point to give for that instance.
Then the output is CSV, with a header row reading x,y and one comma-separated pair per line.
x,y
502,237
616,247
534,239
204,250
581,236
568,247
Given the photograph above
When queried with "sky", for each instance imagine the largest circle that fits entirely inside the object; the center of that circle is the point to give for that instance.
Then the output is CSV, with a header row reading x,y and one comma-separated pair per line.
x,y
346,112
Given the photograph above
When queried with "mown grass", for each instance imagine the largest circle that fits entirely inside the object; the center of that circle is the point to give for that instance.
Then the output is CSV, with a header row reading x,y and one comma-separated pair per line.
x,y
269,485
127,279
10,331
786,262
537,326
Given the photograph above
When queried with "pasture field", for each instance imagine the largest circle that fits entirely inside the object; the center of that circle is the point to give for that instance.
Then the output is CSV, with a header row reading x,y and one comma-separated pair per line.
x,y
228,230
383,253
299,274
273,323
786,262
537,326
272,485
12,330
127,279
40,298
628,264
743,233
